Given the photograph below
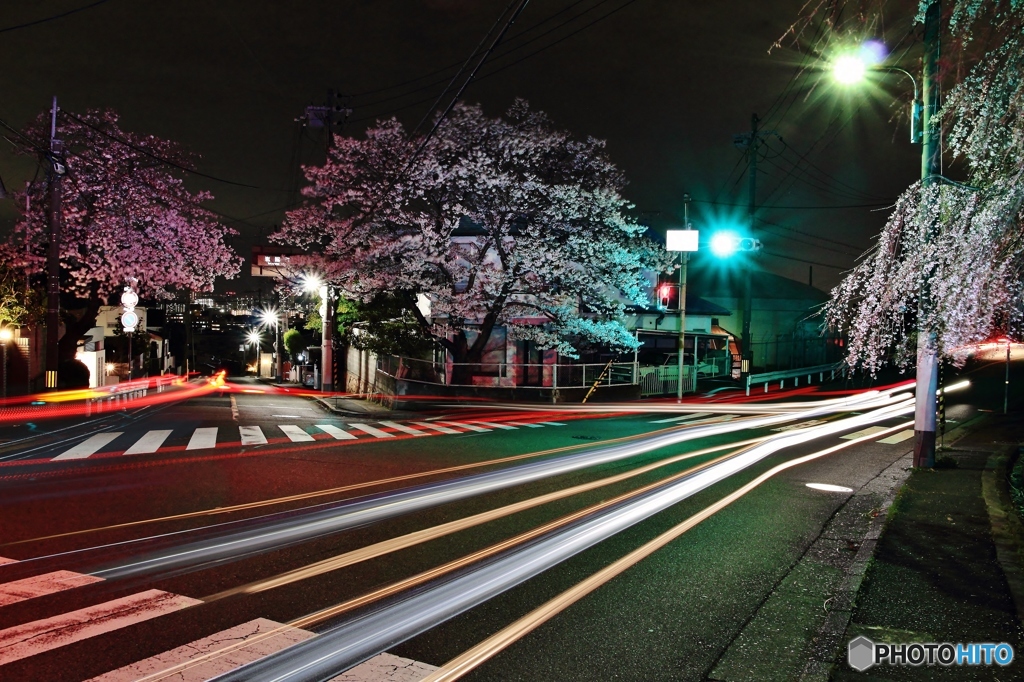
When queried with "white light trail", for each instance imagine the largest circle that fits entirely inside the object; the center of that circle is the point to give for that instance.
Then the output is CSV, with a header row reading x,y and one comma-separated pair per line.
x,y
350,643
276,532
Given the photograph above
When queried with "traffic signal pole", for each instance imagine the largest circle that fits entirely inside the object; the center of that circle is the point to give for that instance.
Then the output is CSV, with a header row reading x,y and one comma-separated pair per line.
x,y
748,303
927,347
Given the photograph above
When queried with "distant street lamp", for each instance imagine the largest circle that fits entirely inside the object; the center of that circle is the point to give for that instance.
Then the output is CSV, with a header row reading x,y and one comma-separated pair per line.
x,y
270,318
684,242
311,284
5,336
253,338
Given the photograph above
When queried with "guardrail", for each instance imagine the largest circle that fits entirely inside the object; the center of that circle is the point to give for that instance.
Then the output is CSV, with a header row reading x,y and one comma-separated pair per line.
x,y
796,374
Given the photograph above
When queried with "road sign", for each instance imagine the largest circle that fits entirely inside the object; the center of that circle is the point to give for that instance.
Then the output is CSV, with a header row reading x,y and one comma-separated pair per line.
x,y
130,320
129,299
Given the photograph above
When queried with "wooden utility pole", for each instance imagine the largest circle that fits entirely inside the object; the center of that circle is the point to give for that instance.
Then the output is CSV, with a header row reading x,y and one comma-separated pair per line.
x,y
931,167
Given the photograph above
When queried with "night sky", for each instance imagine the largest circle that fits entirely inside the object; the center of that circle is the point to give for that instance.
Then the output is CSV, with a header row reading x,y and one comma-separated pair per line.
x,y
666,83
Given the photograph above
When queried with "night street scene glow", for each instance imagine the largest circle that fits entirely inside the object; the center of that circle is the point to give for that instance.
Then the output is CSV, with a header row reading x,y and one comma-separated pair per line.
x,y
499,340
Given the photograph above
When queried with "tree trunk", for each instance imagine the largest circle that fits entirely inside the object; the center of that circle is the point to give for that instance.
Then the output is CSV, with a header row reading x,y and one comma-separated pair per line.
x,y
75,330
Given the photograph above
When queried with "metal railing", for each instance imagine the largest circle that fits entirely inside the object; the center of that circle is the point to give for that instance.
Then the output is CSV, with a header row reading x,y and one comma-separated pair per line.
x,y
796,374
664,380
507,373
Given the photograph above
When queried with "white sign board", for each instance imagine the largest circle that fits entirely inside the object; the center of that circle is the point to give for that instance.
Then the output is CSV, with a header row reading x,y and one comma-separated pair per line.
x,y
681,240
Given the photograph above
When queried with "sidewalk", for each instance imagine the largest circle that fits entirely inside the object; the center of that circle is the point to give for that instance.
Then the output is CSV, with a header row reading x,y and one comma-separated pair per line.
x,y
913,556
347,406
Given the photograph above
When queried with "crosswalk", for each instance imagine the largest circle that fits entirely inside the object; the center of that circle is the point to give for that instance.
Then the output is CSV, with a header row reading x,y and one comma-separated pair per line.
x,y
201,659
209,437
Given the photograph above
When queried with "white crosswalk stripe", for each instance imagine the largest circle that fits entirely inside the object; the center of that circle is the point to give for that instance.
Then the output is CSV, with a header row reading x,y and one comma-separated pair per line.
x,y
296,434
339,434
203,438
89,446
870,431
470,427
435,427
405,429
376,433
898,437
497,426
149,443
252,435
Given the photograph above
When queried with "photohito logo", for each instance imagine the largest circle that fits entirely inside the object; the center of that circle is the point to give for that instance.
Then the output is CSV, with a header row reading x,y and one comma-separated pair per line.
x,y
862,653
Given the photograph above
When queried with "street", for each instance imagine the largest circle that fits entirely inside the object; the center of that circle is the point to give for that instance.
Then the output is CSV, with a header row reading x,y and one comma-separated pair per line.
x,y
186,520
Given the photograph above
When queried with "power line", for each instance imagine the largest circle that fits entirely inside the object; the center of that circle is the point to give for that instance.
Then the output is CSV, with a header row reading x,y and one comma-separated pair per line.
x,y
854,247
804,260
52,18
795,208
166,161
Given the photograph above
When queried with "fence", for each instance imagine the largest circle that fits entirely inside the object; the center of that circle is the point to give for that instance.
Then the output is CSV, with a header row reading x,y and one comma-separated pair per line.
x,y
788,353
664,380
796,374
508,374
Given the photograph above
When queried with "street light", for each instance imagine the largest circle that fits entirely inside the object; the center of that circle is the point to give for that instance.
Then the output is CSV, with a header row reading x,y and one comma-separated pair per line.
x,y
253,338
314,283
269,317
931,166
5,336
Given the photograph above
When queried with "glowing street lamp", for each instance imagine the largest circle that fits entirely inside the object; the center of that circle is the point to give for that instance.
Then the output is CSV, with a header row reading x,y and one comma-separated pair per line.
x,y
851,68
313,283
269,318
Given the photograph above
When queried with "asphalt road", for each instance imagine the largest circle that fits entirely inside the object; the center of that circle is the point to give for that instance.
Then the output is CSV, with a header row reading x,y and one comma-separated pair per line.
x,y
671,616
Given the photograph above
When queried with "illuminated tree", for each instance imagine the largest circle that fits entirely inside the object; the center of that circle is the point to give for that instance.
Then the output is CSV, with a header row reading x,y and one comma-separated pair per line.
x,y
973,259
126,216
495,221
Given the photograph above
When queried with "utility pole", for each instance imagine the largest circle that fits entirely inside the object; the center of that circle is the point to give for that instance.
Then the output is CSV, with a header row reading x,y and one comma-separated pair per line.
x,y
751,143
56,174
326,116
931,166
684,260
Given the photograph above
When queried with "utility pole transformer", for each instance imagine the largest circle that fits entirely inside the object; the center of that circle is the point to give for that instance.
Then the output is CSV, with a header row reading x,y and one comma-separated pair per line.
x,y
56,175
931,167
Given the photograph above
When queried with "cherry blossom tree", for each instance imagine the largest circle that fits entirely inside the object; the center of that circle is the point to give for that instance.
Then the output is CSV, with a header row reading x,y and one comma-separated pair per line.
x,y
126,216
973,259
495,221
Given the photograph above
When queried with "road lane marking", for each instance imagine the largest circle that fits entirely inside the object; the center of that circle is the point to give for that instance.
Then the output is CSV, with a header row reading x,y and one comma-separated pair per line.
x,y
287,416
339,434
252,435
405,429
234,408
38,636
376,433
801,425
898,437
552,423
532,426
149,443
870,431
435,427
497,426
296,434
211,656
685,417
203,438
485,650
47,583
471,427
89,446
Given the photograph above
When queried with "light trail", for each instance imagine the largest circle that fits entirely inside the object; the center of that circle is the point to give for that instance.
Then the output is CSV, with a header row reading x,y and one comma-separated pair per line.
x,y
350,643
279,533
474,657
418,537
322,493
